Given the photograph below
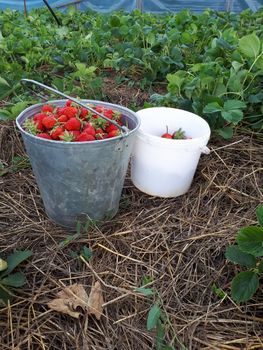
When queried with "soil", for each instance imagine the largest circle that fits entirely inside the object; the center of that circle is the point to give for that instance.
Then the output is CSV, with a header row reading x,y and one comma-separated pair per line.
x,y
177,245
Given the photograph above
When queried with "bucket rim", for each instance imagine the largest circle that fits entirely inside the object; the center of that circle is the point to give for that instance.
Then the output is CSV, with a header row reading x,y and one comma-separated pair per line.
x,y
98,102
195,141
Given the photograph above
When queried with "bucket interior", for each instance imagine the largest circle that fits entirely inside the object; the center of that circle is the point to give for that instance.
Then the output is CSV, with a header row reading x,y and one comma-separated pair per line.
x,y
129,118
129,122
155,122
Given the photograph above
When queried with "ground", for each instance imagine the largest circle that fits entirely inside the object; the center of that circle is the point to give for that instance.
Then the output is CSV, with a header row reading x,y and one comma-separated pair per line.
x,y
176,244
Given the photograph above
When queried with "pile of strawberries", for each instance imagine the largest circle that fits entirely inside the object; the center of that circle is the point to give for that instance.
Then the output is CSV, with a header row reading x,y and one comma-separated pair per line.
x,y
73,123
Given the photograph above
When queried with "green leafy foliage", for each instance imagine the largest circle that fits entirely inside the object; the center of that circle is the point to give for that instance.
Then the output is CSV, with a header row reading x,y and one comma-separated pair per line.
x,y
153,317
145,291
15,280
234,254
260,267
212,62
157,317
146,280
9,280
246,253
250,240
225,132
244,286
218,292
81,228
14,260
231,110
250,45
68,240
86,253
160,333
259,213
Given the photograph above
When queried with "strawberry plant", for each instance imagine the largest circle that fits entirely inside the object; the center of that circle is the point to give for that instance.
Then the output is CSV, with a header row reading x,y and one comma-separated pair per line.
x,y
158,319
8,279
223,92
211,63
248,253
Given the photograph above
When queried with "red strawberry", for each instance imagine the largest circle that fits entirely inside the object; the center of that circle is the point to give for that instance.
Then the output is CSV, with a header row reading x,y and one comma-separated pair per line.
x,y
68,103
83,113
55,133
49,121
167,136
89,129
111,127
59,111
108,113
47,108
99,131
113,133
70,112
85,137
73,123
63,118
39,116
99,109
44,135
39,125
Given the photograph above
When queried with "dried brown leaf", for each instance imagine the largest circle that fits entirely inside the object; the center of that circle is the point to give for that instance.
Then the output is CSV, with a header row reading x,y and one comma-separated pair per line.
x,y
69,299
76,294
61,306
95,301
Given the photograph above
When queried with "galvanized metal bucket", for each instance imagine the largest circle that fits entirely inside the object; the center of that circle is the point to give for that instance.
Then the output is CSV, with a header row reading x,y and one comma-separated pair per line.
x,y
80,181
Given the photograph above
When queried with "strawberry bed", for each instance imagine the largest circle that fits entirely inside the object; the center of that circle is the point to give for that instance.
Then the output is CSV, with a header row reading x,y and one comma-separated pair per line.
x,y
160,262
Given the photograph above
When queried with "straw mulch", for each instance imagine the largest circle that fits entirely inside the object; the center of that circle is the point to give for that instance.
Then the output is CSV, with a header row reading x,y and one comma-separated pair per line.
x,y
177,244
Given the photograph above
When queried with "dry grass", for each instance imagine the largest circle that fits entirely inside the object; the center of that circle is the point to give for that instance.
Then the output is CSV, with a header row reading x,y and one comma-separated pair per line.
x,y
179,243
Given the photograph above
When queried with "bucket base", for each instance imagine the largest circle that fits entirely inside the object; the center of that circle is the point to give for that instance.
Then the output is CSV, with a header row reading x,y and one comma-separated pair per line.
x,y
155,181
161,194
71,222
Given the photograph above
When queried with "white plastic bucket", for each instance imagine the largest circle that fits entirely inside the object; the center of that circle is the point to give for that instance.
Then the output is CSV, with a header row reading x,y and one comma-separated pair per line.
x,y
164,167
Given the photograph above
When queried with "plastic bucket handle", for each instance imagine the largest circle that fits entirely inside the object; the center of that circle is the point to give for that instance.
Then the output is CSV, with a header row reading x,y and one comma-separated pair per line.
x,y
205,150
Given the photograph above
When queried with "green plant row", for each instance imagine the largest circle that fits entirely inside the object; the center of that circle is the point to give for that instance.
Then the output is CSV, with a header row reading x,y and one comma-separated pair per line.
x,y
212,63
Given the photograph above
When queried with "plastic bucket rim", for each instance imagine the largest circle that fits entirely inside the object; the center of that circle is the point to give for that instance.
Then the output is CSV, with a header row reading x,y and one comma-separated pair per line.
x,y
196,141
158,139
122,136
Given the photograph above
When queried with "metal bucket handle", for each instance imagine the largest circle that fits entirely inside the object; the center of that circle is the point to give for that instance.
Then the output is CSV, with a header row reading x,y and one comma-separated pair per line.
x,y
123,128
